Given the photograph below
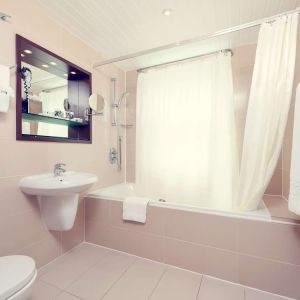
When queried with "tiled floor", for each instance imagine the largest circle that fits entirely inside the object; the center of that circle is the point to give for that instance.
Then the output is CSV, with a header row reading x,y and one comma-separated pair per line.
x,y
91,273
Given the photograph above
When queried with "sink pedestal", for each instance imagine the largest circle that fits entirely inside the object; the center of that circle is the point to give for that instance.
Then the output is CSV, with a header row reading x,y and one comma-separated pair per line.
x,y
59,212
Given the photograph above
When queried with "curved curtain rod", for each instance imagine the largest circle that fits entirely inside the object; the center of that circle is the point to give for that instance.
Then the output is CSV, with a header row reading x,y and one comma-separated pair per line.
x,y
197,39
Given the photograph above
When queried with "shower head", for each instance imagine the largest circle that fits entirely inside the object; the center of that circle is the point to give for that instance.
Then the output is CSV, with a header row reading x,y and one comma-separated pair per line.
x,y
124,95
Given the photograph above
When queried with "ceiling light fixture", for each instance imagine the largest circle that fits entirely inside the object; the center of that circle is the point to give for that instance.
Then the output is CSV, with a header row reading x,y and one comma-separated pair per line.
x,y
73,73
167,12
65,74
22,54
27,51
52,63
45,66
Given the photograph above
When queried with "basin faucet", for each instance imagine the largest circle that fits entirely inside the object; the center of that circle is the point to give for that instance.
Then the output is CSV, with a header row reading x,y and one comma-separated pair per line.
x,y
59,169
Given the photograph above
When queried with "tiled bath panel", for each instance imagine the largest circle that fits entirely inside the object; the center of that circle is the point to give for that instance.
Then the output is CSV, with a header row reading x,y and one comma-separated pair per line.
x,y
259,254
90,272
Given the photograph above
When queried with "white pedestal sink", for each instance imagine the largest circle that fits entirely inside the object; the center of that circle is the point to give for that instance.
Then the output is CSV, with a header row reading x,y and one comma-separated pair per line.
x,y
58,196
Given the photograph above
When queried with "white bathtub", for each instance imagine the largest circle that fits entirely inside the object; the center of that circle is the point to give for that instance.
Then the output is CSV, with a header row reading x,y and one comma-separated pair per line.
x,y
120,191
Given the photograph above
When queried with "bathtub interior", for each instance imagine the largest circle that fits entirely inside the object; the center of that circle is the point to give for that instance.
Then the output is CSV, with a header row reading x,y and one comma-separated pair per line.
x,y
119,192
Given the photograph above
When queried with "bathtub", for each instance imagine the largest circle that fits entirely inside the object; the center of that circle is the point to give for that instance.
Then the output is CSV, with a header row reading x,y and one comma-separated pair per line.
x,y
120,191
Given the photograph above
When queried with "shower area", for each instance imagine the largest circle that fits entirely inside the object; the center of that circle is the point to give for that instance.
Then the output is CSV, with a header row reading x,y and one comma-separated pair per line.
x,y
208,121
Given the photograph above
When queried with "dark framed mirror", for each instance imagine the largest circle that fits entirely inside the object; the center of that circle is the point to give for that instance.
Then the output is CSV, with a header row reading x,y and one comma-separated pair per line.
x,y
52,96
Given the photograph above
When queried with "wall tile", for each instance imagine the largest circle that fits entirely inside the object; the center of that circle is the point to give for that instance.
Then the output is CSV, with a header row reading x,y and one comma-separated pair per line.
x,y
12,200
20,230
275,185
97,210
137,243
205,260
201,228
270,276
97,233
44,250
270,240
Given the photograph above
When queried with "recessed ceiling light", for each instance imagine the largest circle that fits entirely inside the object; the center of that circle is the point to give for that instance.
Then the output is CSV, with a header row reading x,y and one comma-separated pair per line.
x,y
27,51
52,63
73,72
22,54
45,66
167,12
65,74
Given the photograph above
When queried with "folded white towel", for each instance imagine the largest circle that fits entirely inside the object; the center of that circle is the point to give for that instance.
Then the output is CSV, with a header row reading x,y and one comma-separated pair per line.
x,y
294,196
135,209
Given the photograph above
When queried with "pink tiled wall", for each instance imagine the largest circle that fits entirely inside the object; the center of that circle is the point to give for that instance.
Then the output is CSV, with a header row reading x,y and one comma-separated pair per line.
x,y
21,229
242,68
263,255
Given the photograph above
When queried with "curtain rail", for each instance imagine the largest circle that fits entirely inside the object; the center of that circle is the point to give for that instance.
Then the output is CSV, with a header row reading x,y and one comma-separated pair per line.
x,y
185,59
197,39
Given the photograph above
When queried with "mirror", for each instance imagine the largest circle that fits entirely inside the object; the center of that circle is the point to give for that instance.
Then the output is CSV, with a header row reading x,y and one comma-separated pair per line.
x,y
52,96
97,103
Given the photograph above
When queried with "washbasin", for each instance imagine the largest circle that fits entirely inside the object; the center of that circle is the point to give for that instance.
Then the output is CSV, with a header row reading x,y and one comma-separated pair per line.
x,y
50,185
58,195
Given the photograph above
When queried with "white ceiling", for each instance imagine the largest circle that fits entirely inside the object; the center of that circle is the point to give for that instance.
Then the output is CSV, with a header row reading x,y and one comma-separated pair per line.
x,y
119,27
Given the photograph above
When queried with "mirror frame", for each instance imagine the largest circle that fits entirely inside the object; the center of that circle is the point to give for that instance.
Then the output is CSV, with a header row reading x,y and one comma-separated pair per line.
x,y
80,131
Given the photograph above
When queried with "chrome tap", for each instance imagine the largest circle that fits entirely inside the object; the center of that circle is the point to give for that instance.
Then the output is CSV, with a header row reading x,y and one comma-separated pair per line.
x,y
59,169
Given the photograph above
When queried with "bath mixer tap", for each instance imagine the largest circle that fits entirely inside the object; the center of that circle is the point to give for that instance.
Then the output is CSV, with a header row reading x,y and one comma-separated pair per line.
x,y
59,169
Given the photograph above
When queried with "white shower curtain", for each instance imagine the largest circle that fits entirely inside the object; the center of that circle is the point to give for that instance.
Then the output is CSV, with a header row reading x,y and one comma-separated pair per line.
x,y
268,108
186,146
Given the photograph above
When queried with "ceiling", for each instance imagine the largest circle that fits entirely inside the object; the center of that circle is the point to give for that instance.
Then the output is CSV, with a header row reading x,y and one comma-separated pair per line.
x,y
119,27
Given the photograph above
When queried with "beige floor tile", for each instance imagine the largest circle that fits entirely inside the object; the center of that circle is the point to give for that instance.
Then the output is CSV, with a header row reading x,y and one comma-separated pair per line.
x,y
177,284
43,291
96,281
68,268
138,282
252,294
65,296
215,289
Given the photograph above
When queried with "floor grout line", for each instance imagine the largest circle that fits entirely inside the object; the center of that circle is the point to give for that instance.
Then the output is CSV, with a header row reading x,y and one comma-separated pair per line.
x,y
198,293
159,280
119,278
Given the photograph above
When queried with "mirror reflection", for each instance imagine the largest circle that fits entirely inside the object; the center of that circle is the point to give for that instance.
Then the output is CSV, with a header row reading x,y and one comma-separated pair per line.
x,y
46,94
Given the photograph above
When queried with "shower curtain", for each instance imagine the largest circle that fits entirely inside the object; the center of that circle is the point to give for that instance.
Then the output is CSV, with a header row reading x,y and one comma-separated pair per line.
x,y
268,108
186,144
